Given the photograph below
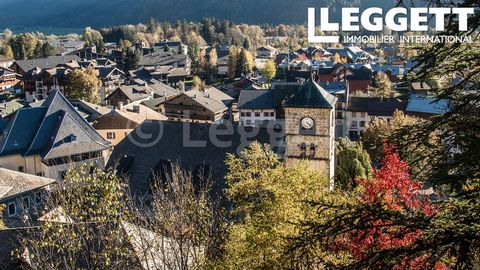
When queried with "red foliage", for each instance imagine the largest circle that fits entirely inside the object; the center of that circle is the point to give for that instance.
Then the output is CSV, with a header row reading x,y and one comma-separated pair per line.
x,y
393,189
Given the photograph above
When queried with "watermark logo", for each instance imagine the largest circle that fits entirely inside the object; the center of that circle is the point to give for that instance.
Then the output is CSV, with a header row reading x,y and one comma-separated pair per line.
x,y
397,19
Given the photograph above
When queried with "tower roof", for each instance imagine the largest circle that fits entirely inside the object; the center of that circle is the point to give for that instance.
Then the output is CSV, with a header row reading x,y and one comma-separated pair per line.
x,y
311,95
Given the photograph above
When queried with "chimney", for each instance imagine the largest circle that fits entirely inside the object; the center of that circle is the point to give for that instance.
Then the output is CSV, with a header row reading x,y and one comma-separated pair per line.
x,y
136,108
120,105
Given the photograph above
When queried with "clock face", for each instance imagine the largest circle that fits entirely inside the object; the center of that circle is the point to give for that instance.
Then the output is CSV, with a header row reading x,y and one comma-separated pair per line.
x,y
307,123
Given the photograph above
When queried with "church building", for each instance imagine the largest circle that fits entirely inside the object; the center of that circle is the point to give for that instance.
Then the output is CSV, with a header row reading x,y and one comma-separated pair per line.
x,y
310,128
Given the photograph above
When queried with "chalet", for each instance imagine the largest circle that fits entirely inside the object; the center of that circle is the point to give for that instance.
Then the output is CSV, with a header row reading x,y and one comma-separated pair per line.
x,y
111,78
23,66
49,139
362,110
359,77
314,53
174,46
117,124
161,58
127,94
210,105
353,54
167,74
9,80
22,193
42,76
256,107
266,52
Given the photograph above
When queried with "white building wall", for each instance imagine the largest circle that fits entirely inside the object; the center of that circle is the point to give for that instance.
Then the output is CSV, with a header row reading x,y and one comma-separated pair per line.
x,y
254,118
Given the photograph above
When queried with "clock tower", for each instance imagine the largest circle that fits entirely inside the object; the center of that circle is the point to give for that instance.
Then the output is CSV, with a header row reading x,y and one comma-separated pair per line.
x,y
310,128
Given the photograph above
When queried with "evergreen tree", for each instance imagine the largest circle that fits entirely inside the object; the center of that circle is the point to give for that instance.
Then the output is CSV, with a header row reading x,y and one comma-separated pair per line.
x,y
351,162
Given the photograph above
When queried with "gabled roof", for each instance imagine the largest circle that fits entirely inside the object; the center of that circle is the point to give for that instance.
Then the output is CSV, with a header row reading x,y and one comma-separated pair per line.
x,y
15,183
133,92
49,62
206,101
43,130
427,105
127,117
375,106
104,72
167,143
160,58
256,99
311,95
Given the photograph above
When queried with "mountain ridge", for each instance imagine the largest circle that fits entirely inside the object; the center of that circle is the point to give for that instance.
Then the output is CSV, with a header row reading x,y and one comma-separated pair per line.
x,y
102,13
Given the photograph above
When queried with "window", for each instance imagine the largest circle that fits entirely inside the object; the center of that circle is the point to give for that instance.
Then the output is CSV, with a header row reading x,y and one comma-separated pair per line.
x,y
26,202
12,210
38,197
312,150
41,174
354,114
21,169
257,114
242,123
362,115
272,114
248,122
354,123
249,114
242,114
265,114
362,123
339,115
303,150
110,135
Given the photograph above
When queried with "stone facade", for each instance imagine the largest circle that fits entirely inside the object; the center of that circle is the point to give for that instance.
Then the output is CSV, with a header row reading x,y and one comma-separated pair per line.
x,y
316,145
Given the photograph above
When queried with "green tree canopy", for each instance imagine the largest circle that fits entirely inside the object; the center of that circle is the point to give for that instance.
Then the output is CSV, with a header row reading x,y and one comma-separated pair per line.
x,y
83,84
351,162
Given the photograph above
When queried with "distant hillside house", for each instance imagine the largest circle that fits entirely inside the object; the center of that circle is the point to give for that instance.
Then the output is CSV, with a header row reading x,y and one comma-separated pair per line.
x,y
266,52
117,124
173,46
50,139
208,106
22,193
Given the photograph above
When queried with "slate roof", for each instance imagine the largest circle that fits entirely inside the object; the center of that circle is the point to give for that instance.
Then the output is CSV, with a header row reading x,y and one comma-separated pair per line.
x,y
133,92
55,129
375,106
177,142
17,183
7,108
427,105
104,72
206,101
49,62
256,99
127,118
160,58
311,95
